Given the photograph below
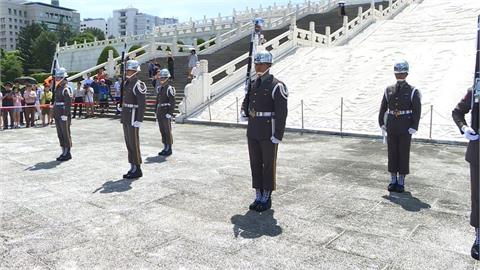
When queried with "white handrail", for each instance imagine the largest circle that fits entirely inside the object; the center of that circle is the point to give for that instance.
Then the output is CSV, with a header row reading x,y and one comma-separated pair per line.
x,y
245,55
116,59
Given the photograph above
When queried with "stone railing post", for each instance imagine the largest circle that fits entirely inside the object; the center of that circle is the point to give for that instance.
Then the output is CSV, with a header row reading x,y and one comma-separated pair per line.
x,y
110,68
312,34
345,25
328,34
174,48
153,47
360,12
293,29
219,41
380,9
205,80
195,44
194,28
390,2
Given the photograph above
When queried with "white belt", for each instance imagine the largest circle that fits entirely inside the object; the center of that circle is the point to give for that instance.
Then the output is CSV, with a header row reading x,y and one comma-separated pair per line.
x,y
59,103
164,104
397,113
261,114
134,106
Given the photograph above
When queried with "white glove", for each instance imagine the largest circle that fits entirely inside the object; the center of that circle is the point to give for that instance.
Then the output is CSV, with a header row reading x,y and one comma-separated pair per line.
x,y
137,124
168,116
119,108
243,117
64,118
384,128
275,140
412,131
469,133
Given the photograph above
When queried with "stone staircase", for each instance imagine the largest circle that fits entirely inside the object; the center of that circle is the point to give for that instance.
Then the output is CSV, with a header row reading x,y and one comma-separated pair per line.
x,y
236,49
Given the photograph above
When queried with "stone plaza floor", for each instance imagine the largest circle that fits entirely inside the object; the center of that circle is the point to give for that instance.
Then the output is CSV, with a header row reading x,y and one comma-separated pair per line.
x,y
190,211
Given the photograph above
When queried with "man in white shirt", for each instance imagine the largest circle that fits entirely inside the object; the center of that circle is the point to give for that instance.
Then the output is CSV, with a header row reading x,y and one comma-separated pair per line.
x,y
78,95
117,86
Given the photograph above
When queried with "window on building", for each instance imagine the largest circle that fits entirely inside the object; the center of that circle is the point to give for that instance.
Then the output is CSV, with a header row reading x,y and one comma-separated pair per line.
x,y
20,13
10,26
15,12
21,21
9,19
16,27
15,20
9,11
11,33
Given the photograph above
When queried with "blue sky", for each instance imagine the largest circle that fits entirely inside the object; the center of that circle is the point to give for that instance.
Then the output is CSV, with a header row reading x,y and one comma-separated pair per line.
x,y
183,9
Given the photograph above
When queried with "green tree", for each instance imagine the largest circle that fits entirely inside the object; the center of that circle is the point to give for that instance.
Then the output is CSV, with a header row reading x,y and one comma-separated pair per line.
x,y
26,39
64,33
80,37
104,55
99,34
44,50
136,47
11,66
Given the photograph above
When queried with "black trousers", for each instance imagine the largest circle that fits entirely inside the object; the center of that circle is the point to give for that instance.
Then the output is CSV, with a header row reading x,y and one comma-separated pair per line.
x,y
5,114
165,126
474,185
263,163
399,153
78,100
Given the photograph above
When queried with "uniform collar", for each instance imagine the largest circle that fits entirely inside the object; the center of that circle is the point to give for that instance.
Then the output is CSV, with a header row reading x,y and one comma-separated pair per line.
x,y
265,77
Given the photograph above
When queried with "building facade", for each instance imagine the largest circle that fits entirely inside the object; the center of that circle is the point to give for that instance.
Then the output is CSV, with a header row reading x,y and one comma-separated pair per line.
x,y
99,23
16,14
130,21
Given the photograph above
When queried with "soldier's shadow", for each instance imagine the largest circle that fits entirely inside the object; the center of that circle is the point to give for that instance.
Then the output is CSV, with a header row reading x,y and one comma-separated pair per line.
x,y
254,225
122,185
155,159
407,201
44,166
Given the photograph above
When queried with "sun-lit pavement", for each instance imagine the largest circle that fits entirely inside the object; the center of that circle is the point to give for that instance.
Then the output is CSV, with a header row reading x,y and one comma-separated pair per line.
x,y
331,209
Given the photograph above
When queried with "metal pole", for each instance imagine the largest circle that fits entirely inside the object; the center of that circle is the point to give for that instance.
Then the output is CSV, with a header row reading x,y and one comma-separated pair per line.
x,y
431,121
209,113
186,112
303,126
238,120
341,116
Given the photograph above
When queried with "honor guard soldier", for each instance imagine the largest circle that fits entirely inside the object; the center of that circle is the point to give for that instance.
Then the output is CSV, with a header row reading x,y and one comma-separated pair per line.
x,y
399,117
165,105
467,104
265,108
133,110
62,113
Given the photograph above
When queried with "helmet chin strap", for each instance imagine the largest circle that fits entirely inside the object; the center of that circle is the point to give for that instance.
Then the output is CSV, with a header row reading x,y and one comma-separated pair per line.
x,y
163,81
128,77
260,74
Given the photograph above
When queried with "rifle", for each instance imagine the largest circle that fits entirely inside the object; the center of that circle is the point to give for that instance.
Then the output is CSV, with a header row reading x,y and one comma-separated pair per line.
x,y
53,71
256,32
122,74
476,89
